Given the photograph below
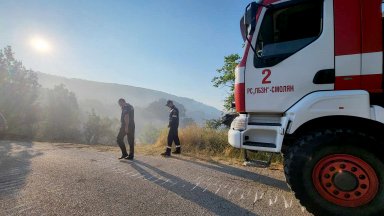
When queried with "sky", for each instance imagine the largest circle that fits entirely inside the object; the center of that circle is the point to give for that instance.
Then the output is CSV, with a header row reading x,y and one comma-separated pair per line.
x,y
174,46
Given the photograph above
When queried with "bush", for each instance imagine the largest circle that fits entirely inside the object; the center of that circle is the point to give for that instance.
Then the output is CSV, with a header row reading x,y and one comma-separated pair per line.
x,y
150,134
100,130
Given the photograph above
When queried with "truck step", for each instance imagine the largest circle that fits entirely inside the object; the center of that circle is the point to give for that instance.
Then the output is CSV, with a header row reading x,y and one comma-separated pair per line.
x,y
260,144
257,163
265,134
265,124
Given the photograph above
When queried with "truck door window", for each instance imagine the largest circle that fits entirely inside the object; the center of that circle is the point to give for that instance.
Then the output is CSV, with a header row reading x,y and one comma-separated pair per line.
x,y
286,30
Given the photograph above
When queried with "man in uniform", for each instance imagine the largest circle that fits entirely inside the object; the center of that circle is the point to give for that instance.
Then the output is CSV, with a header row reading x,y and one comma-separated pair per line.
x,y
127,128
173,127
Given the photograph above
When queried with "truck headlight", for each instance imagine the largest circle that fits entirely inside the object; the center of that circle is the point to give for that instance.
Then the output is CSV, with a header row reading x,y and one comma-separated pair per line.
x,y
239,123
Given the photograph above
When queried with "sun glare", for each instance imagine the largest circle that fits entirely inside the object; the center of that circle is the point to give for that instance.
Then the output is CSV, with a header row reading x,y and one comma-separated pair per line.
x,y
40,45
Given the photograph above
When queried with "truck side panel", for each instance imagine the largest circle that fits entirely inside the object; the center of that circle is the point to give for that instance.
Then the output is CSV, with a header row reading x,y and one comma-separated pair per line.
x,y
372,46
358,45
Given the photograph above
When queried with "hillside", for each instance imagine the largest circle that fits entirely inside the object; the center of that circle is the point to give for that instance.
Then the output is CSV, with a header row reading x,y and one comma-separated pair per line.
x,y
102,97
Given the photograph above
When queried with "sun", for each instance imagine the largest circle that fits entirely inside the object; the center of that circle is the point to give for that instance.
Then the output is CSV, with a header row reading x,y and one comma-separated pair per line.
x,y
40,44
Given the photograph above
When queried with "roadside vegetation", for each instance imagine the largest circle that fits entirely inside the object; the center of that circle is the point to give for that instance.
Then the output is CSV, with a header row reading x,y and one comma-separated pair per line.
x,y
204,143
54,115
209,142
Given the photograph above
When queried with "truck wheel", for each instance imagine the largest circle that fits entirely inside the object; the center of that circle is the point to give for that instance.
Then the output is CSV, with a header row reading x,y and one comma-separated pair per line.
x,y
337,172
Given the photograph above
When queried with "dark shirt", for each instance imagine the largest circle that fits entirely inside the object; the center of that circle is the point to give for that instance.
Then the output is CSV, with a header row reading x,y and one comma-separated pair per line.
x,y
174,117
128,110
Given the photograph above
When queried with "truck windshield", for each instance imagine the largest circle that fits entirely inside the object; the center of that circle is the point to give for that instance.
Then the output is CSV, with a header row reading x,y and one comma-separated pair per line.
x,y
286,30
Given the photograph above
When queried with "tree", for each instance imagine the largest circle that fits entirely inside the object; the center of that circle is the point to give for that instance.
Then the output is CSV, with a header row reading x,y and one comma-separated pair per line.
x,y
187,122
226,78
99,130
61,116
92,128
157,110
150,134
19,89
213,123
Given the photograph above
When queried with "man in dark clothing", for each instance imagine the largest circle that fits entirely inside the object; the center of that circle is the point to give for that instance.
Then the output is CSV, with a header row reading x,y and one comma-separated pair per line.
x,y
173,130
127,128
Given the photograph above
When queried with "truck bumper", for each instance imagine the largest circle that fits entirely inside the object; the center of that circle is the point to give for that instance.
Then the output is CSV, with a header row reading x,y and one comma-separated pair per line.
x,y
235,138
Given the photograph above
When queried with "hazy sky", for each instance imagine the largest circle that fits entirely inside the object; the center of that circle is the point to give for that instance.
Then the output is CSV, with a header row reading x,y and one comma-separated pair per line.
x,y
173,46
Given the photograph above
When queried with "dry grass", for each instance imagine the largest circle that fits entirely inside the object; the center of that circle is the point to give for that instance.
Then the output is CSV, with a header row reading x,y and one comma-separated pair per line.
x,y
197,142
204,143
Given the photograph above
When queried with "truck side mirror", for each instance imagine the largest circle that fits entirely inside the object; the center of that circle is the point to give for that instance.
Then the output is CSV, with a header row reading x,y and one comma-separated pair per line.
x,y
248,21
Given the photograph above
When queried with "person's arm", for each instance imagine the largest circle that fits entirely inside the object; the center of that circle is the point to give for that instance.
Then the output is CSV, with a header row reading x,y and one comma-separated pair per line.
x,y
170,120
126,120
173,117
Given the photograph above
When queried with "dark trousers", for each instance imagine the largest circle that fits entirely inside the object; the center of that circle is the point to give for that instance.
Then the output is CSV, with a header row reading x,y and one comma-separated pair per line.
x,y
173,136
131,141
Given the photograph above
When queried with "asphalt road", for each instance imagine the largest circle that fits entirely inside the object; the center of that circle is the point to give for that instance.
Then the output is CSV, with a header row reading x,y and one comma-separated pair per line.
x,y
68,179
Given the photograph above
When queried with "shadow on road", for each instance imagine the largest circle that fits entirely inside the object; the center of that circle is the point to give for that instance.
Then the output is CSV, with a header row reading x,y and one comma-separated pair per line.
x,y
266,180
15,162
205,199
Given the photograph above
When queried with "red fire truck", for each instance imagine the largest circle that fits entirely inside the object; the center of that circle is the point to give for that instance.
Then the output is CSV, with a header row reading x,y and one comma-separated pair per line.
x,y
310,85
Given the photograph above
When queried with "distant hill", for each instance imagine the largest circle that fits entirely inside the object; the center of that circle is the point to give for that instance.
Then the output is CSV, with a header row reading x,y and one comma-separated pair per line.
x,y
102,97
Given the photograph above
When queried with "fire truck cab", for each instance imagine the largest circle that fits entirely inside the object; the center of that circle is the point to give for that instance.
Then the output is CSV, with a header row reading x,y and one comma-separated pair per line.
x,y
310,85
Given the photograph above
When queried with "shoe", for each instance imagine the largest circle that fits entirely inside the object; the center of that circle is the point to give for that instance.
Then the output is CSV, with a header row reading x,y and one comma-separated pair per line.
x,y
123,156
177,151
129,157
166,154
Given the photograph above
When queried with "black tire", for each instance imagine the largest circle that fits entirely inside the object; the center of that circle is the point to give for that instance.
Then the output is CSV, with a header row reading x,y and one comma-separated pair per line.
x,y
310,160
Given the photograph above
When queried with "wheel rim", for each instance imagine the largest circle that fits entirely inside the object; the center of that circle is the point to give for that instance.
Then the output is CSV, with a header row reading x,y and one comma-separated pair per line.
x,y
345,180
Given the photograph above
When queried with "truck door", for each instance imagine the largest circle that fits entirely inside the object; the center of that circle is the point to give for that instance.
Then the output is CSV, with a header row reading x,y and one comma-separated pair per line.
x,y
294,55
358,45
